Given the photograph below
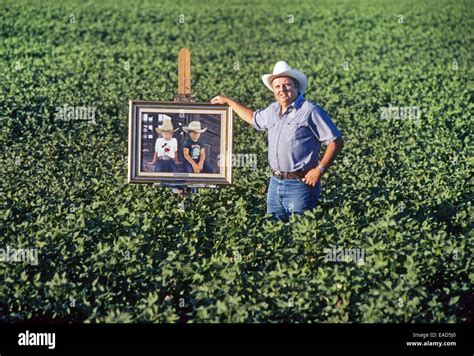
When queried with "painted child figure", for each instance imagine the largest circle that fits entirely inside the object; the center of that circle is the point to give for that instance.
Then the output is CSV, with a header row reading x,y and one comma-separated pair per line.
x,y
194,151
166,148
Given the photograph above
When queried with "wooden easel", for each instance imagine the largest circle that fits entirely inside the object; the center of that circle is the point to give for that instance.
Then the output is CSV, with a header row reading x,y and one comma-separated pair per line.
x,y
185,95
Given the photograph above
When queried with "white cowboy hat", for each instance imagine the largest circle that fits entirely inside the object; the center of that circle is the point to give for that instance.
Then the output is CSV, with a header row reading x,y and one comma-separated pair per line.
x,y
194,126
167,124
282,69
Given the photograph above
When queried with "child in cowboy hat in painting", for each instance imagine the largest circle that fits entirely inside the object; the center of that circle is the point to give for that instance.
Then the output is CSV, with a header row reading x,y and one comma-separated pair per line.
x,y
166,147
193,150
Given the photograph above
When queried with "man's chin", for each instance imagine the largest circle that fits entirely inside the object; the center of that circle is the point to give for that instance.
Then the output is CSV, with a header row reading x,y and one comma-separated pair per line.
x,y
285,101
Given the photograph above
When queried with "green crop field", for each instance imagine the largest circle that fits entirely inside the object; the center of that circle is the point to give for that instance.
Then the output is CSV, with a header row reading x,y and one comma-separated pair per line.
x,y
108,251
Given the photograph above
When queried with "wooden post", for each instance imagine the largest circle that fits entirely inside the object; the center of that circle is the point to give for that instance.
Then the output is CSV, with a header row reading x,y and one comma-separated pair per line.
x,y
184,72
184,76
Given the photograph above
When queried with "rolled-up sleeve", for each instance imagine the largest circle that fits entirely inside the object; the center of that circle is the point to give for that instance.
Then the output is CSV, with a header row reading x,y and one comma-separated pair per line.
x,y
323,127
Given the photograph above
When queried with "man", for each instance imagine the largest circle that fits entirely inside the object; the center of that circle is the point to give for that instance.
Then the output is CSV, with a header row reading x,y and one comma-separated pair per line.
x,y
296,128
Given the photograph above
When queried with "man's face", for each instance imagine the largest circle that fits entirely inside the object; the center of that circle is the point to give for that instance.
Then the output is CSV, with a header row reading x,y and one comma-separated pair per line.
x,y
194,135
285,90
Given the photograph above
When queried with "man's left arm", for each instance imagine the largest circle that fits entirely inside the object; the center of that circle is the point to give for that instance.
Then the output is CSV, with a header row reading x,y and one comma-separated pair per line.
x,y
330,154
325,131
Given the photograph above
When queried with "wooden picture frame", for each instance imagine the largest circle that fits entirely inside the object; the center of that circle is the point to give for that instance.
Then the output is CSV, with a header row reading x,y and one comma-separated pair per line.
x,y
149,141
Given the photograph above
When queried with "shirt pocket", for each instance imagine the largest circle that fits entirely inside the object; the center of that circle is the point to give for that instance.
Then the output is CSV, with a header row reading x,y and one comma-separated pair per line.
x,y
272,127
298,131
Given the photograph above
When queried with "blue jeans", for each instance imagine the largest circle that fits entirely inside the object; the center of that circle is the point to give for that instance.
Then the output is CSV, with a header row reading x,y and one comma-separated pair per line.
x,y
287,196
167,165
206,168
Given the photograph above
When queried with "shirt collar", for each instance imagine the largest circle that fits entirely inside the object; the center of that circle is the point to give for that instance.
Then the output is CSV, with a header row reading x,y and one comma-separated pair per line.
x,y
298,102
295,104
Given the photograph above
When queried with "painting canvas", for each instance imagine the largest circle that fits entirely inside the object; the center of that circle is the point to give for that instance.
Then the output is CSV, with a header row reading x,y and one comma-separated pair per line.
x,y
179,143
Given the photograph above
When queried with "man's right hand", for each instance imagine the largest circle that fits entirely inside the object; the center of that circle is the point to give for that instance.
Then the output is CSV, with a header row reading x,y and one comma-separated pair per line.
x,y
222,100
245,113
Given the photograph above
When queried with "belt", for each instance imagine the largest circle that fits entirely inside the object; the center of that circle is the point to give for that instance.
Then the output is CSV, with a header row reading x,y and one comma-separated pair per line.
x,y
164,158
288,175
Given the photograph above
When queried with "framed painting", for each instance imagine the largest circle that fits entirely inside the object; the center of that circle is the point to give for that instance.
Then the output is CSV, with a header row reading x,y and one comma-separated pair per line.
x,y
179,143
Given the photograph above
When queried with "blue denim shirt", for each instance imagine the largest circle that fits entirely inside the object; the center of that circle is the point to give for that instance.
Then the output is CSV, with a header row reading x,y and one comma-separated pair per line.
x,y
295,137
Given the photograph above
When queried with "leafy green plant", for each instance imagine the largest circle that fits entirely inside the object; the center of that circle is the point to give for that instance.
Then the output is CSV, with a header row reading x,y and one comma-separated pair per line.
x,y
111,252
